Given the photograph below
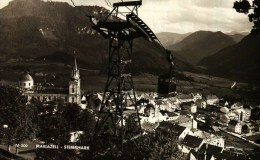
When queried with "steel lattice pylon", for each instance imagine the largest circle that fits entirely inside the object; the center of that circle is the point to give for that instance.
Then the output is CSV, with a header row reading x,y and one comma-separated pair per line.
x,y
113,119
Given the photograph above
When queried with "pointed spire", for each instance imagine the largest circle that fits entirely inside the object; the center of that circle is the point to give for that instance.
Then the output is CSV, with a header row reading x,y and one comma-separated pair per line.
x,y
75,61
75,72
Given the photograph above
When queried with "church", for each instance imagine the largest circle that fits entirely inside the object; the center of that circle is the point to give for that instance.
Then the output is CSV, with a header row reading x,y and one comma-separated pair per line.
x,y
45,93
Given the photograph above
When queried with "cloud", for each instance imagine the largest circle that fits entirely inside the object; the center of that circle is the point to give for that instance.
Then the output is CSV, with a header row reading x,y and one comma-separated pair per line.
x,y
182,16
192,15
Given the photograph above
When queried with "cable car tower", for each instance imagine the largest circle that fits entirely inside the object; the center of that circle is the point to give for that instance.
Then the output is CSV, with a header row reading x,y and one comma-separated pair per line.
x,y
119,89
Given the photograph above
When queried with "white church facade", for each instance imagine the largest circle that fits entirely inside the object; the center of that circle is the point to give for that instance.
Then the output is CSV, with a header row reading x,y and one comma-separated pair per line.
x,y
69,94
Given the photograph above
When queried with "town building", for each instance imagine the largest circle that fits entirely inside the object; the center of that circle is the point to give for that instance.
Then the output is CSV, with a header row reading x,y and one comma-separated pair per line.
x,y
191,143
184,98
212,99
178,130
191,107
201,103
210,138
235,126
196,96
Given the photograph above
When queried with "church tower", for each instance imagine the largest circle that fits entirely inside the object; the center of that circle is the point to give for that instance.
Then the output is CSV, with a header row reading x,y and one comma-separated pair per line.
x,y
74,85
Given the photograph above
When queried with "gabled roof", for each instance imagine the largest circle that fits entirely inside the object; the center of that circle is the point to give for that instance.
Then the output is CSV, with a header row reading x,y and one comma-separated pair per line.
x,y
196,94
172,114
212,97
178,130
246,106
210,149
184,96
192,141
237,105
218,153
233,122
187,103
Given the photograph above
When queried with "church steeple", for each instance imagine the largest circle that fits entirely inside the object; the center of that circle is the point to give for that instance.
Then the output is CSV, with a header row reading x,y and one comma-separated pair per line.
x,y
75,72
74,84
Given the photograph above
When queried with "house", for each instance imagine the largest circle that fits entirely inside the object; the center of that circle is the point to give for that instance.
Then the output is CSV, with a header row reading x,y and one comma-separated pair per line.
x,y
149,127
185,98
224,118
149,110
240,113
237,105
248,128
233,116
235,126
201,103
178,130
172,116
224,110
164,104
247,109
75,136
212,99
193,155
196,96
209,152
210,139
186,121
191,143
189,106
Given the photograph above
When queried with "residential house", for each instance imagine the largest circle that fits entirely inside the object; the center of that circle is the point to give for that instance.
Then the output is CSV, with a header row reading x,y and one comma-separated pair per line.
x,y
186,121
235,126
233,116
209,152
171,116
210,138
248,128
247,109
201,103
149,127
196,96
164,104
178,130
240,113
149,111
185,98
237,105
191,143
212,99
189,106
224,118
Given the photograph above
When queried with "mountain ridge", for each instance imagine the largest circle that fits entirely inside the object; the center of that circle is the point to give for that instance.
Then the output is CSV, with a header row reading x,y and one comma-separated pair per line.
x,y
201,44
54,27
239,61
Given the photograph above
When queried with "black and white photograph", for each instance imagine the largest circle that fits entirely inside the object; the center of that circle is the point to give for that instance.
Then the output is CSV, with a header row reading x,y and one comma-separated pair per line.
x,y
129,79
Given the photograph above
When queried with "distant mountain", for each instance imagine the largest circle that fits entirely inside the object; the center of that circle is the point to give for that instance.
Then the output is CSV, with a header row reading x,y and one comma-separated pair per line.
x,y
34,29
239,61
237,36
201,44
169,38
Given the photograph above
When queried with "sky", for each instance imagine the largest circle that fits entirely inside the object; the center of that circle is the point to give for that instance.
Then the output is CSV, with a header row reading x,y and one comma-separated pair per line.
x,y
182,16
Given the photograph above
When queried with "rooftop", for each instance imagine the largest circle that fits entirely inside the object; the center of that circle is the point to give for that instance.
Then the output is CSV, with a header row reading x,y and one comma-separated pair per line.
x,y
50,90
172,127
192,141
26,77
233,122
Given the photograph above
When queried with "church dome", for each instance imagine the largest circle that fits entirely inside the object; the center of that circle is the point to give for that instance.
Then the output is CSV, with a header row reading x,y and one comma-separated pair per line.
x,y
26,77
